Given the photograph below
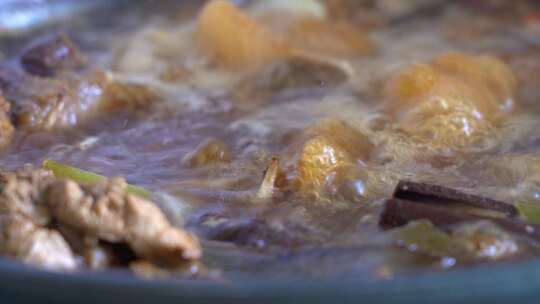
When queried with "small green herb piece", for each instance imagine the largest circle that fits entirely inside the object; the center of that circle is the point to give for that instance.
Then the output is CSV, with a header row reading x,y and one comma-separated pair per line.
x,y
86,177
424,237
530,211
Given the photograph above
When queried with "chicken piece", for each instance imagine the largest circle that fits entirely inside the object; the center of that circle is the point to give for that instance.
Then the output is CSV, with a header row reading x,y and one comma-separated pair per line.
x,y
23,216
48,103
107,211
208,152
327,146
120,96
151,236
52,103
452,102
23,240
72,92
97,254
6,127
51,55
98,210
22,194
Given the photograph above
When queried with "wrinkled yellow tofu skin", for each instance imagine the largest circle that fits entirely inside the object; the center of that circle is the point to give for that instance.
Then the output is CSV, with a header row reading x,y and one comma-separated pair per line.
x,y
237,40
452,102
327,149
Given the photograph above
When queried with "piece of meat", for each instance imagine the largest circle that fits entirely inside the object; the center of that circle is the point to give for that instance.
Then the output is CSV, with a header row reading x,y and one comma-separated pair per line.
x,y
151,236
106,210
100,215
23,240
22,194
48,103
72,91
52,103
46,221
51,55
6,127
122,96
97,254
22,222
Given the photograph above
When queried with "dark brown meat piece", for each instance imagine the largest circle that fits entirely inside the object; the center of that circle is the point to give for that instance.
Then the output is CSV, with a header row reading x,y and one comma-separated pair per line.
x,y
51,55
51,103
120,96
72,92
47,103
6,128
107,211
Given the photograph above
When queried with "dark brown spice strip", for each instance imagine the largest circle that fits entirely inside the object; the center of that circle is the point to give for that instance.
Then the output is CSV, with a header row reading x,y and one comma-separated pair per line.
x,y
439,195
398,212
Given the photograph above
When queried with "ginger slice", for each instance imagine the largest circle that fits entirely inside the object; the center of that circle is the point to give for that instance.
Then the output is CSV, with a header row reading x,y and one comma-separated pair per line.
x,y
266,190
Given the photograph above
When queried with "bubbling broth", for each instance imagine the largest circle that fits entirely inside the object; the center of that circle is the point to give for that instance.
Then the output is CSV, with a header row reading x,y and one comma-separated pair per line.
x,y
272,136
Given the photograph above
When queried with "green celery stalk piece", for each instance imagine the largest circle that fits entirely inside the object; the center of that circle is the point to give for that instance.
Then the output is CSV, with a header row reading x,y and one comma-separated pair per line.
x,y
425,237
85,177
530,211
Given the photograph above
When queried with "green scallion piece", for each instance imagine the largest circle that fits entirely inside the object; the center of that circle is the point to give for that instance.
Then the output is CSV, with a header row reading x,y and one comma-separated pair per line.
x,y
86,177
530,211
